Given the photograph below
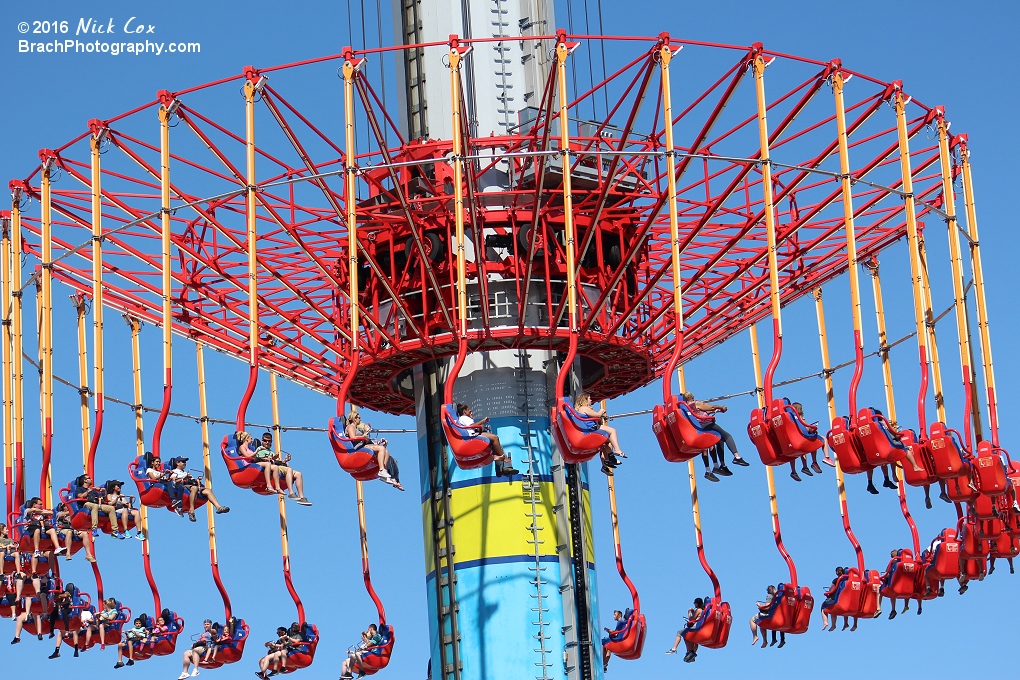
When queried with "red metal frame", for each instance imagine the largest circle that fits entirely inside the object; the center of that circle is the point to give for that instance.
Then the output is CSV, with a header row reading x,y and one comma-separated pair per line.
x,y
407,291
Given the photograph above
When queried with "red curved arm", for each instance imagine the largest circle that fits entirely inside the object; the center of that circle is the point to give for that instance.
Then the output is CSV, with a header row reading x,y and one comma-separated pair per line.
x,y
151,579
97,432
777,353
253,379
462,346
856,380
293,593
220,587
164,411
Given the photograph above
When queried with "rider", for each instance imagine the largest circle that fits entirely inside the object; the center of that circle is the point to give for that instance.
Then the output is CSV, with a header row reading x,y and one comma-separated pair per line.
x,y
621,623
369,638
295,480
609,452
199,647
465,418
178,474
356,429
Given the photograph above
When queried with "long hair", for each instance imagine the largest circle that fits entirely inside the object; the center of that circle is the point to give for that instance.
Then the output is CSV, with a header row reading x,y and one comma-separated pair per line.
x,y
583,399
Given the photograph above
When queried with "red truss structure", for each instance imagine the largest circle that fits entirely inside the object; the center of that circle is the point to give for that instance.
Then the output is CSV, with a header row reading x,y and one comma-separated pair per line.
x,y
515,227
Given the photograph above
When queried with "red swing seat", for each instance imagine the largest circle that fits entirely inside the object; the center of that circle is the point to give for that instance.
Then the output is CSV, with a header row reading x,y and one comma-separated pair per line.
x,y
1005,545
843,440
352,455
945,563
901,575
630,641
581,434
856,594
972,546
922,454
759,430
946,451
303,653
81,518
795,436
155,494
244,472
470,449
880,443
985,507
712,629
18,530
975,570
989,529
230,651
377,657
790,611
960,488
680,433
989,470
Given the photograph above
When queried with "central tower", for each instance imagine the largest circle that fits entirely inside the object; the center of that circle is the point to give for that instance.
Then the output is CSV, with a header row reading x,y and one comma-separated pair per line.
x,y
509,561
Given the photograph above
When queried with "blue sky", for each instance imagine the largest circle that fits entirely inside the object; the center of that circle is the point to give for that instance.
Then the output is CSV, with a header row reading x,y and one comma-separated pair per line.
x,y
945,54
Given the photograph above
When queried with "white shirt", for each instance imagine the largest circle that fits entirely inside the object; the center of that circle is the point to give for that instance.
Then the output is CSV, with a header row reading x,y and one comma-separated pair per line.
x,y
178,475
465,421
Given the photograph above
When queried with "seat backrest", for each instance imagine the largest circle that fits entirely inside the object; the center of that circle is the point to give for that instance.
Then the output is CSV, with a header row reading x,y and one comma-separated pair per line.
x,y
450,414
582,422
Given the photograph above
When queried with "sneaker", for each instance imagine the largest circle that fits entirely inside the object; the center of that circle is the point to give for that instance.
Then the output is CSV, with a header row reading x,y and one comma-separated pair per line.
x,y
942,591
872,489
817,468
710,477
15,641
54,655
194,673
95,532
224,509
510,471
139,535
740,461
606,470
118,535
119,664
889,484
715,469
807,471
944,496
293,496
725,471
892,614
76,652
303,501
383,475
828,461
671,651
59,551
130,662
183,676
191,516
794,476
689,657
927,503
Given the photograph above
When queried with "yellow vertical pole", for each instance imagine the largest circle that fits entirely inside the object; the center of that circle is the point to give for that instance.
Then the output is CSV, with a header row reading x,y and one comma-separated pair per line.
x,y
956,257
913,247
979,293
883,343
282,499
8,387
851,241
136,379
166,279
203,413
458,188
83,380
46,333
97,293
350,184
770,216
929,322
830,396
17,349
562,52
253,309
760,394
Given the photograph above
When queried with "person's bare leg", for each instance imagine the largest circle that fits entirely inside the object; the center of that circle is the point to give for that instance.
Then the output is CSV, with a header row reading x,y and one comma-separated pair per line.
x,y
211,497
676,643
754,632
383,457
299,483
614,438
